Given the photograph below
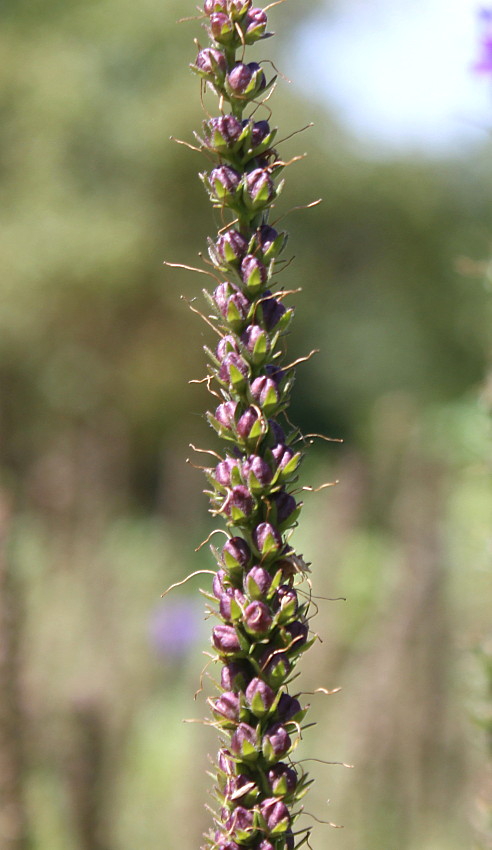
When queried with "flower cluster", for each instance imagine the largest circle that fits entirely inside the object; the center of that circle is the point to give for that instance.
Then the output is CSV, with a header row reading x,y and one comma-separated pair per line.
x,y
263,623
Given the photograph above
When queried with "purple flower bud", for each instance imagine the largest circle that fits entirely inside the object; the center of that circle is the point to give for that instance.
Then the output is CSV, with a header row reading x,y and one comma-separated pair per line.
x,y
253,272
242,788
286,597
257,618
240,822
257,472
246,422
264,391
255,337
210,6
257,582
225,346
225,181
236,552
275,667
238,8
235,675
285,505
256,21
245,80
259,697
218,583
222,132
276,742
272,311
240,503
282,779
298,633
266,538
283,455
276,431
227,706
259,132
225,413
232,367
244,742
225,639
260,188
223,471
233,305
276,814
288,707
225,762
225,603
211,62
221,27
223,842
231,246
266,845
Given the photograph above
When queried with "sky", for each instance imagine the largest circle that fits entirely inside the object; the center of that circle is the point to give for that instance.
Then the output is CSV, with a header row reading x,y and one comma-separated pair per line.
x,y
399,72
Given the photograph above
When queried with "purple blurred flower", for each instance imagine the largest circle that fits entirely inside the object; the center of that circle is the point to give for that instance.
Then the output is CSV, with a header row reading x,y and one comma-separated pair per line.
x,y
174,627
483,65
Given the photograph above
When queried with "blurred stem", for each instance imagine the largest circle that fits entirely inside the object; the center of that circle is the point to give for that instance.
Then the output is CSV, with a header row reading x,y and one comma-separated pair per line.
x,y
13,818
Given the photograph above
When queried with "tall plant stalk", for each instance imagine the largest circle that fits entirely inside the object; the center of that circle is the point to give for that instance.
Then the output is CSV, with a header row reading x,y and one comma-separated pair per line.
x,y
263,625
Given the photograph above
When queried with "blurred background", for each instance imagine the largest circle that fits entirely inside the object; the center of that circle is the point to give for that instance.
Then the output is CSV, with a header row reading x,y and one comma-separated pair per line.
x,y
99,511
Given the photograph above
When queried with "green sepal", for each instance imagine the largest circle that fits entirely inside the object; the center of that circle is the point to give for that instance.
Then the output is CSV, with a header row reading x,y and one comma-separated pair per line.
x,y
236,611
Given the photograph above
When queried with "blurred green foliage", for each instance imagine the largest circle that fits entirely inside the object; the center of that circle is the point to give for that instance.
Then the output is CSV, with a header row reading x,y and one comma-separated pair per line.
x,y
96,349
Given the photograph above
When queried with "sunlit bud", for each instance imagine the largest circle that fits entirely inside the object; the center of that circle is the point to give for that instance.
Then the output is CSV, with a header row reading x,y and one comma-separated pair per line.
x,y
259,697
245,81
225,762
282,779
256,21
256,341
225,345
231,247
235,675
223,470
260,189
222,28
220,134
240,504
230,604
227,706
276,743
256,472
225,413
253,273
225,639
241,788
244,742
257,582
276,814
234,370
236,554
240,823
224,182
218,583
266,538
210,6
248,424
264,391
211,64
257,618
